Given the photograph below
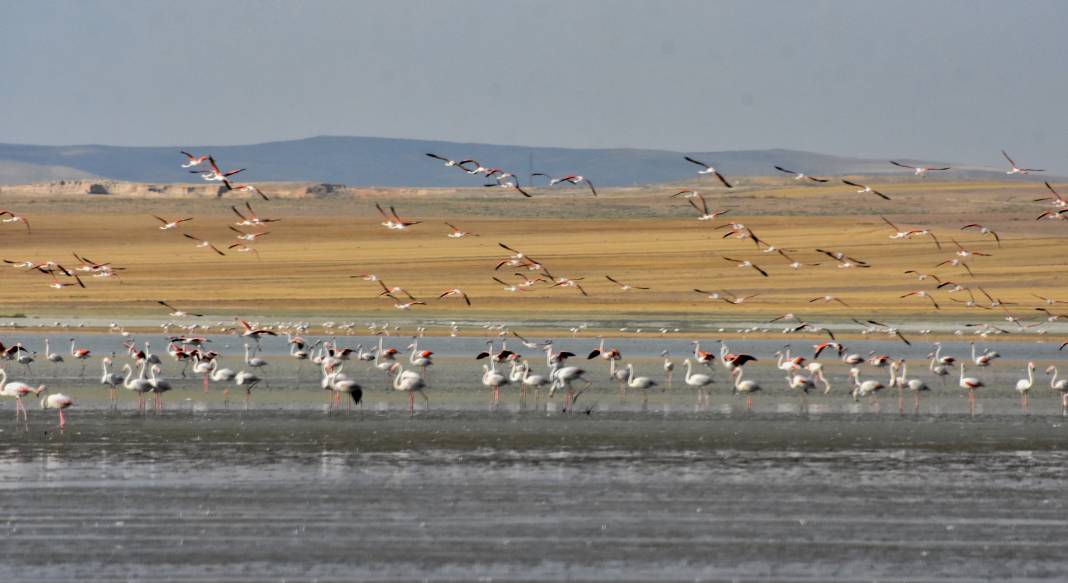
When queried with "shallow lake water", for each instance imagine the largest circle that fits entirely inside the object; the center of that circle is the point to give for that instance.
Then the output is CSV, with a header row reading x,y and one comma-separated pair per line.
x,y
609,492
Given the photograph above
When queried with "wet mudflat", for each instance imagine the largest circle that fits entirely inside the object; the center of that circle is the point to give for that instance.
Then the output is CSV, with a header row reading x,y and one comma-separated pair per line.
x,y
460,495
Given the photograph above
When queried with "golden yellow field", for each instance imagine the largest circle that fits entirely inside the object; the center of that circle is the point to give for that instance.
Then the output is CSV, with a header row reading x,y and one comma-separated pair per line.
x,y
639,236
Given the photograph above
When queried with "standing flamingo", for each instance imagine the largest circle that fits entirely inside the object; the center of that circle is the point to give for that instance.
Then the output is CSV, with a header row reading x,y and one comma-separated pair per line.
x,y
493,380
81,354
159,386
669,367
249,381
1023,387
223,375
697,381
970,384
111,379
535,381
412,383
57,401
916,386
18,390
139,385
748,387
643,384
1061,386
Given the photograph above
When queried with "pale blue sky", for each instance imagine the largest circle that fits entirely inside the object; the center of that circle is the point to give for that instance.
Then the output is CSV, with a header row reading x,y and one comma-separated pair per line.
x,y
932,80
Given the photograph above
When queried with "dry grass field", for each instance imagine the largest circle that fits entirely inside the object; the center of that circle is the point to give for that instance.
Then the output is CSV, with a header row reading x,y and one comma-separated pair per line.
x,y
640,236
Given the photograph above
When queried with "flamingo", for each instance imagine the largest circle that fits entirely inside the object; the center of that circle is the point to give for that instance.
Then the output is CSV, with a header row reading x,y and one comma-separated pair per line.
x,y
393,221
250,218
985,359
244,188
254,333
493,380
697,381
748,387
138,385
254,361
456,293
970,384
708,170
111,379
81,354
223,375
916,386
410,382
982,230
201,243
347,386
1061,386
215,175
864,189
624,286
52,356
669,367
643,384
534,381
14,218
23,357
942,370
159,385
919,170
193,160
420,358
868,387
18,390
249,381
1023,387
168,224
703,214
562,377
59,402
803,384
1016,169
800,175
573,179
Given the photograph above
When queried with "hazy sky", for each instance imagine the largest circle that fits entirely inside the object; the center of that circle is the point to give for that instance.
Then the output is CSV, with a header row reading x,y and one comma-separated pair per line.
x,y
934,79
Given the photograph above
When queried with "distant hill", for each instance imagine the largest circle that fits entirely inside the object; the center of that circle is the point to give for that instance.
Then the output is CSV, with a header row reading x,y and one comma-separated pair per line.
x,y
361,161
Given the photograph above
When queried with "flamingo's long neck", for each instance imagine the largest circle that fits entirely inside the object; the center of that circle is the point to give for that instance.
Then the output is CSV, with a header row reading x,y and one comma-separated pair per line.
x,y
1053,381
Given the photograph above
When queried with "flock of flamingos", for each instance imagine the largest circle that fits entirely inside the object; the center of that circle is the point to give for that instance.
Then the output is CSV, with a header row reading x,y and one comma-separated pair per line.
x,y
142,375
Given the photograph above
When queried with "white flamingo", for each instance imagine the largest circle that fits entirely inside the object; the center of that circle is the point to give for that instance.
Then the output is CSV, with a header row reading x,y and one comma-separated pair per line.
x,y
493,380
138,385
411,382
223,375
111,379
249,381
52,356
534,381
643,384
59,402
697,381
915,386
970,384
1023,387
747,387
669,367
562,377
159,386
1061,386
17,390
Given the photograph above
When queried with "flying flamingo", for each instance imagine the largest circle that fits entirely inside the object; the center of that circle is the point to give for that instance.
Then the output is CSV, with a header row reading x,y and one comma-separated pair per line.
x,y
244,188
573,179
215,175
1016,169
392,220
919,170
703,214
921,294
202,244
14,218
800,175
1057,200
448,163
250,218
983,231
193,160
866,189
167,224
624,286
708,170
458,233
746,264
455,292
